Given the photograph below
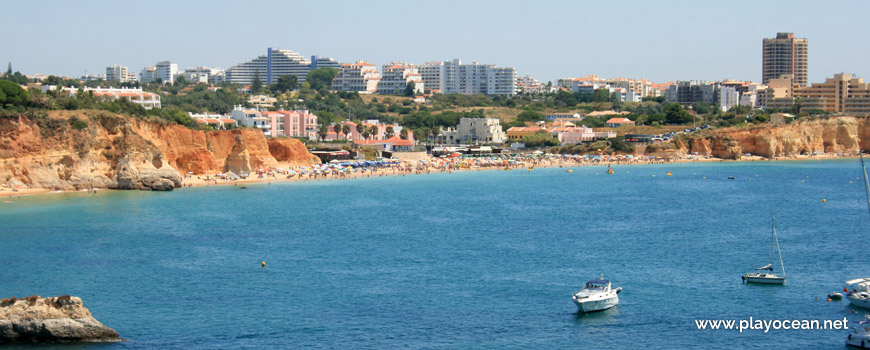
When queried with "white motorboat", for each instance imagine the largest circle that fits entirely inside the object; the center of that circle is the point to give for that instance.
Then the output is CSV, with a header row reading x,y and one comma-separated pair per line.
x,y
597,295
765,274
860,335
859,289
858,292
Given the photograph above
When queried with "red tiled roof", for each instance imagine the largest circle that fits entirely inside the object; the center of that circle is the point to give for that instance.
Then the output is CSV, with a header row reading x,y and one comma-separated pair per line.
x,y
619,121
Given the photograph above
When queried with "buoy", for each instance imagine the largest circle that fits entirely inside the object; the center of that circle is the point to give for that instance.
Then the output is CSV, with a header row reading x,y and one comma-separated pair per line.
x,y
704,177
263,264
850,181
824,200
670,173
802,181
829,299
569,171
654,175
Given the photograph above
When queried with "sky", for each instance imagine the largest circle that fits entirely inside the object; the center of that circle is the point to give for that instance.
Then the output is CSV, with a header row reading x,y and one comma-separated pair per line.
x,y
657,40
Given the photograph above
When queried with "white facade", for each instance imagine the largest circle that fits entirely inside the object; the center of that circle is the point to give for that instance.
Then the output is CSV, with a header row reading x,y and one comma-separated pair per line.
x,y
117,73
360,76
474,130
728,97
397,75
147,75
529,85
454,77
204,75
275,63
166,71
147,100
251,118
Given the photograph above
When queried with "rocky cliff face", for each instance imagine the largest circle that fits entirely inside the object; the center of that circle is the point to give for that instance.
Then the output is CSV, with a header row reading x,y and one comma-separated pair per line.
x,y
837,135
113,151
60,319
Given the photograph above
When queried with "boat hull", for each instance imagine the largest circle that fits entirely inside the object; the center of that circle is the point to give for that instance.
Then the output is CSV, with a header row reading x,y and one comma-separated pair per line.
x,y
858,341
596,304
859,302
765,280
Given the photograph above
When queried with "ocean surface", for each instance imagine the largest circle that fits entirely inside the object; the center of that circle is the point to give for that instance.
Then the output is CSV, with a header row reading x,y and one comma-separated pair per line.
x,y
468,260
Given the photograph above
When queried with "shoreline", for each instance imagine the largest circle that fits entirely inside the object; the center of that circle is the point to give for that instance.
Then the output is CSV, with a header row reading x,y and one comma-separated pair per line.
x,y
7,196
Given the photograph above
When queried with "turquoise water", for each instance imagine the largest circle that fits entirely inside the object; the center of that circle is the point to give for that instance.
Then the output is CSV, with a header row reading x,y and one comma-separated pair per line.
x,y
469,260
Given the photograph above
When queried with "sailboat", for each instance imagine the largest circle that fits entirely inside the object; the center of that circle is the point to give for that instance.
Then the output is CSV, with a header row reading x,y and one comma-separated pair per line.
x,y
765,274
859,289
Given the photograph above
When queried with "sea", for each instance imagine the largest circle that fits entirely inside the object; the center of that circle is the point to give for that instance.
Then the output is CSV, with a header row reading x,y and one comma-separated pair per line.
x,y
463,260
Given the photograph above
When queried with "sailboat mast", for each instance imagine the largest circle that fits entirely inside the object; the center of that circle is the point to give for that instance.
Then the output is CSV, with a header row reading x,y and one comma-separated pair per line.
x,y
866,182
776,240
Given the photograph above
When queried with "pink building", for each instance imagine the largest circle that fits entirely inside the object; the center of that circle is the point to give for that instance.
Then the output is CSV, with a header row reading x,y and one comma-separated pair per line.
x,y
299,123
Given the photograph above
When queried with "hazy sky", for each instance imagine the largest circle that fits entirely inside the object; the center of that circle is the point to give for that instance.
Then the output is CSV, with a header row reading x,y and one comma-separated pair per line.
x,y
657,40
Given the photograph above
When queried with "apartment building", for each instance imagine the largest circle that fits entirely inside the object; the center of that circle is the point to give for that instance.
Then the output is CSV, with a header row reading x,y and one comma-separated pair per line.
x,y
204,75
454,77
841,94
166,71
275,63
119,74
785,55
397,75
294,123
147,100
474,131
360,76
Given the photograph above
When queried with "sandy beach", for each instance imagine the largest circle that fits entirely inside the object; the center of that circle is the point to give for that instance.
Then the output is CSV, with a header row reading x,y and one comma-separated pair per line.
x,y
415,168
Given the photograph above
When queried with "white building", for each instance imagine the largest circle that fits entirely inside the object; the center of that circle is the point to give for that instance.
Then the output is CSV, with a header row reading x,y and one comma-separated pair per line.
x,y
148,74
728,97
360,76
554,116
529,85
118,73
166,71
251,118
204,75
275,63
449,77
397,75
147,100
474,131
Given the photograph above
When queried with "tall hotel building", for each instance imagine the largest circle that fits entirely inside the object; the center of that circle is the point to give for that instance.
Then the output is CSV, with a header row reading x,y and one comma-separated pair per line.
x,y
276,63
785,55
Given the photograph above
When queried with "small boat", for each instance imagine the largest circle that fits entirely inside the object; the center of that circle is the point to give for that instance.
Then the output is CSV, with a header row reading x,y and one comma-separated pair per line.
x,y
670,174
765,274
531,168
731,178
835,296
569,171
860,335
596,296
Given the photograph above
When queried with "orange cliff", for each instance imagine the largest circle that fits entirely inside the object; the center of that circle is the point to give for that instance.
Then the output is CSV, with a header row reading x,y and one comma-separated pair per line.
x,y
834,135
113,151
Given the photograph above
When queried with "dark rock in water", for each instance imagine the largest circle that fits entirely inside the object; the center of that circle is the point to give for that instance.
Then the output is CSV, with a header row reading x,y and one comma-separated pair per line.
x,y
45,320
162,185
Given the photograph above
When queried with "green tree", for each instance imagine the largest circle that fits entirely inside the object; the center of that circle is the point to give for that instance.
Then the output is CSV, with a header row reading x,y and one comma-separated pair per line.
x,y
702,107
337,129
360,128
601,95
410,89
286,83
389,132
321,77
675,114
530,116
322,131
256,85
9,69
12,93
540,139
345,129
403,134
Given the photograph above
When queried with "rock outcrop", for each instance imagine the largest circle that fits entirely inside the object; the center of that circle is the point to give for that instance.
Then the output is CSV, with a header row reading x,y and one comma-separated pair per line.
x,y
836,135
60,319
113,151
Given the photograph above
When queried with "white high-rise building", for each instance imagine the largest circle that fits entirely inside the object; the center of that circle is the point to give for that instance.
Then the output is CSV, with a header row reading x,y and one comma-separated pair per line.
x,y
166,71
117,73
397,75
360,76
276,63
454,77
